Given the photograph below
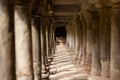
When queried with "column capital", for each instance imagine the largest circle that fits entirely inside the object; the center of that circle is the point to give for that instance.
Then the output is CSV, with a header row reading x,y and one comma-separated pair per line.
x,y
35,20
115,1
102,4
86,16
116,5
23,2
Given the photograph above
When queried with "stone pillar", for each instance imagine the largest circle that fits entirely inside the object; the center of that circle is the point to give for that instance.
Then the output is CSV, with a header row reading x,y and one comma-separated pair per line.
x,y
47,40
53,38
78,35
7,55
36,48
80,26
48,34
47,46
115,42
84,41
73,36
74,30
105,23
70,40
49,37
68,36
76,38
50,40
96,65
89,43
67,39
43,50
23,43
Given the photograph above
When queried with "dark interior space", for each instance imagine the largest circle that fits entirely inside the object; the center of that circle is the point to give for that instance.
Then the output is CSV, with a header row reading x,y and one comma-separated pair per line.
x,y
60,32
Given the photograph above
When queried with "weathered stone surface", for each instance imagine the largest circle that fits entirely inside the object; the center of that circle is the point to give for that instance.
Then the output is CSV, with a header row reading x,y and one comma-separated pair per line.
x,y
84,41
64,67
115,44
43,50
89,42
105,20
36,50
7,56
23,42
96,65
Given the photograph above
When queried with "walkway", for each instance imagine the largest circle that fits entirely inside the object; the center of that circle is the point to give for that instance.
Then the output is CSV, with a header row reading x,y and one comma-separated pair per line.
x,y
63,66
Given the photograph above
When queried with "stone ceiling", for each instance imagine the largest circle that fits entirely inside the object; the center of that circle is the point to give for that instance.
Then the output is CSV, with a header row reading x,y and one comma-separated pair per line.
x,y
64,9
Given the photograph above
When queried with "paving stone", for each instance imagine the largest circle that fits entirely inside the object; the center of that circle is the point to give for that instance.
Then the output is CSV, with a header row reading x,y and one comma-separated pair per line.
x,y
63,66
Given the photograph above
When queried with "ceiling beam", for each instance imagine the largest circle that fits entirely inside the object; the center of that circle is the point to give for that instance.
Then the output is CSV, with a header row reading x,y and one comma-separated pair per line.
x,y
66,2
62,17
63,13
66,8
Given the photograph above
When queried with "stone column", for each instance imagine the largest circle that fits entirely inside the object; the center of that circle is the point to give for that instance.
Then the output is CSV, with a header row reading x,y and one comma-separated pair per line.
x,y
80,26
89,43
50,40
74,30
76,38
96,65
73,36
7,55
47,40
105,23
49,53
70,38
43,50
36,48
78,35
23,43
49,37
84,41
115,41
67,39
53,38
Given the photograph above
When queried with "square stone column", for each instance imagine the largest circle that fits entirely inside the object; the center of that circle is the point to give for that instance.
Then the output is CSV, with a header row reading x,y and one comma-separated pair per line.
x,y
23,43
36,48
7,53
115,41
105,32
96,65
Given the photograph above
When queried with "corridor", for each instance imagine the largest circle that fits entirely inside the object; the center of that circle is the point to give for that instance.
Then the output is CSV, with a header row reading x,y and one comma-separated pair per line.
x,y
63,66
59,39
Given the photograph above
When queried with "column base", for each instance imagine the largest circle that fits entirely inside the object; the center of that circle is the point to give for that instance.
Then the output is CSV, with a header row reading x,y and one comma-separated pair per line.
x,y
104,72
96,73
45,76
93,77
24,78
36,77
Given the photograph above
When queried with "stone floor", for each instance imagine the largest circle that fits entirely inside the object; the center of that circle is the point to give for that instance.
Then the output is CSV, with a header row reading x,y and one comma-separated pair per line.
x,y
63,66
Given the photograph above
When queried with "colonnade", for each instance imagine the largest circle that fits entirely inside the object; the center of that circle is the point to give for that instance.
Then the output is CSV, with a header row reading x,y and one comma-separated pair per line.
x,y
23,41
27,41
98,34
